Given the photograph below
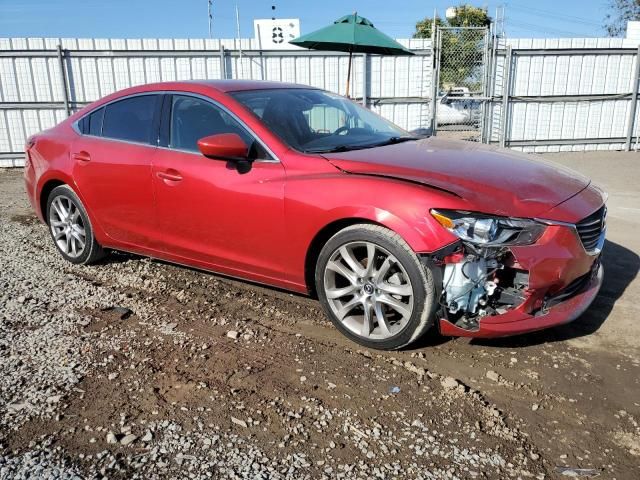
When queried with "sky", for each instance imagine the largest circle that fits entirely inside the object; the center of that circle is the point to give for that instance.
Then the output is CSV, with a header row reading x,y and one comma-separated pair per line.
x,y
188,18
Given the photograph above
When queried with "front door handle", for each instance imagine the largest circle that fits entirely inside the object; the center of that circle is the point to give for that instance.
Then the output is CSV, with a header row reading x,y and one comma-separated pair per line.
x,y
81,156
171,175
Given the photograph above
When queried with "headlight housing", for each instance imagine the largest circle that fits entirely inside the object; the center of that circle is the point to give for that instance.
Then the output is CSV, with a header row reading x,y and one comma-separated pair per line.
x,y
487,230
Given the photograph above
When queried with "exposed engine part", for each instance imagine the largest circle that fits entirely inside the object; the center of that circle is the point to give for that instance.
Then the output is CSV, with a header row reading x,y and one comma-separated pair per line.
x,y
466,284
479,282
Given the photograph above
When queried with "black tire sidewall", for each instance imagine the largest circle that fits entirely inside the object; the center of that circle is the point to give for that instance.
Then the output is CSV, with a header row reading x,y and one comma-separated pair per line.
x,y
90,243
409,260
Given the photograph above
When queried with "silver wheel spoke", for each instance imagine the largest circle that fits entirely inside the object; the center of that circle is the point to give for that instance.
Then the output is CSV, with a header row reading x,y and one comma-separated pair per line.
x,y
75,214
356,266
340,269
68,244
371,259
382,271
402,290
347,307
382,320
367,326
59,209
397,305
59,235
333,293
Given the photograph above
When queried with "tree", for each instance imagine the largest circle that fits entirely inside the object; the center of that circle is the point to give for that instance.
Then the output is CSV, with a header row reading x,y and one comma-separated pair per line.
x,y
622,11
462,50
466,16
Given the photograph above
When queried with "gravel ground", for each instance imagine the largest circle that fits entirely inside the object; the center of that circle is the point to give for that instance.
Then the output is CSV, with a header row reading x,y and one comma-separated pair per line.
x,y
135,368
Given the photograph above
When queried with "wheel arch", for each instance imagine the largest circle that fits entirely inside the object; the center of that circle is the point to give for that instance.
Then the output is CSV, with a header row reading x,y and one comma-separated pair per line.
x,y
46,189
325,233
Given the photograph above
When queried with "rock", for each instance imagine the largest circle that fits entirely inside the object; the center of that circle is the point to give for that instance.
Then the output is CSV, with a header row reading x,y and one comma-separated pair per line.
x,y
449,383
128,439
237,421
54,398
303,378
534,456
535,407
331,386
232,334
112,376
147,437
491,375
111,438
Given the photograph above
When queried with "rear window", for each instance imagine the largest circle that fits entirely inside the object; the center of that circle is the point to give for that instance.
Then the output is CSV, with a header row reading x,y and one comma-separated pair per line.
x,y
130,119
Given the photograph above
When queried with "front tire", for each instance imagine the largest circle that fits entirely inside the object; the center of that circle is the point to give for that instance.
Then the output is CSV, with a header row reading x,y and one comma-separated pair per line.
x,y
70,227
374,288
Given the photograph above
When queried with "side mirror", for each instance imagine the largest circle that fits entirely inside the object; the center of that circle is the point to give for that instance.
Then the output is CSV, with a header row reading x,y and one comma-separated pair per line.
x,y
224,146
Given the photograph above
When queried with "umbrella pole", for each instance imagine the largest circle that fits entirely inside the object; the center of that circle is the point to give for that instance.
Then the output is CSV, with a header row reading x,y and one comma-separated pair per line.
x,y
349,71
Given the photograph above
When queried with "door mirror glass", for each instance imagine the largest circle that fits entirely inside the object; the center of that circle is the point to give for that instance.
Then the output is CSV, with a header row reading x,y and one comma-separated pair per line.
x,y
224,146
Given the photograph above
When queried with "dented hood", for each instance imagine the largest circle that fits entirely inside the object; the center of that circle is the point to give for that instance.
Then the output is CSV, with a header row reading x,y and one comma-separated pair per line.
x,y
492,180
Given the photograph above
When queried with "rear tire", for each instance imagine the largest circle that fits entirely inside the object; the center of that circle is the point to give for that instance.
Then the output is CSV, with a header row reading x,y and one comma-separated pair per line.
x,y
374,288
70,227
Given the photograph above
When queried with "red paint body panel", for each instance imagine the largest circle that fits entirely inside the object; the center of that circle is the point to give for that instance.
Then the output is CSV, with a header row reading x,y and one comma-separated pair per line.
x,y
259,225
500,181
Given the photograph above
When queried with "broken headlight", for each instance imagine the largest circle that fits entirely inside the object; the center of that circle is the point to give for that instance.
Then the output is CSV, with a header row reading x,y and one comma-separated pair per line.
x,y
487,230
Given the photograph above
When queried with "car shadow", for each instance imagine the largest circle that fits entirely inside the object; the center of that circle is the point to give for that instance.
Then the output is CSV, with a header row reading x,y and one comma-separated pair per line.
x,y
621,267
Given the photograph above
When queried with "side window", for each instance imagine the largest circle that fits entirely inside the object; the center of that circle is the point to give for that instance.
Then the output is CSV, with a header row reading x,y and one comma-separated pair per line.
x,y
193,118
95,122
92,124
130,119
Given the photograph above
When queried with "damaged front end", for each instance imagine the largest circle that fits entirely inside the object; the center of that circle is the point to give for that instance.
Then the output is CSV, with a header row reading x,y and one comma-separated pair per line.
x,y
477,282
480,277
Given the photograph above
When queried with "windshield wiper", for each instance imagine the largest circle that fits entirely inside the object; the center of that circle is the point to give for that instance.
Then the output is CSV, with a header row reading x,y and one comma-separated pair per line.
x,y
347,148
339,148
394,140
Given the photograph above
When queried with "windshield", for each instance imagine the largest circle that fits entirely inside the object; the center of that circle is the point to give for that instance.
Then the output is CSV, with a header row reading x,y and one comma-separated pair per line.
x,y
315,121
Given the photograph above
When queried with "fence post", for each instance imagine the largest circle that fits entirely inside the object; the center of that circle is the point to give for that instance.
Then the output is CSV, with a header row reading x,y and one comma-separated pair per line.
x,y
634,103
505,97
435,74
63,80
485,86
365,79
223,65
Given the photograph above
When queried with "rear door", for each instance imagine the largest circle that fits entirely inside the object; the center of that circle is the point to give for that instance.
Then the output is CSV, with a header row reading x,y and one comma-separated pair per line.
x,y
112,167
208,211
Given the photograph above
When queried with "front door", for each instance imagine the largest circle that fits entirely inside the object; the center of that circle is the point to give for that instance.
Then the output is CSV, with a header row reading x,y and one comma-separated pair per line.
x,y
210,214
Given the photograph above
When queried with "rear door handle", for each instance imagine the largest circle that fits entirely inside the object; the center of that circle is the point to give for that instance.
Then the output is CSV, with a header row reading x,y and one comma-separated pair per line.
x,y
171,175
81,156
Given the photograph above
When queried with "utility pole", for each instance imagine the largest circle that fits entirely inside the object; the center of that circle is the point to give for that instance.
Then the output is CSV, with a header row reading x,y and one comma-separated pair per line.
x,y
209,14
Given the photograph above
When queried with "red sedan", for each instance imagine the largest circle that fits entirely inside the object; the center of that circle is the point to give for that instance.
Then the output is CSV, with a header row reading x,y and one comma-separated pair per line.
x,y
298,188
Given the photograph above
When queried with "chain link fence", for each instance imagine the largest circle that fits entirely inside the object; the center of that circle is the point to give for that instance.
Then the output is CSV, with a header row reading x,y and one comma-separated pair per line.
x,y
460,89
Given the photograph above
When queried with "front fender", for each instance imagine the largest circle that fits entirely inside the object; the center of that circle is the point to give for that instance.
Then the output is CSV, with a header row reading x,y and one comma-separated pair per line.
x,y
312,203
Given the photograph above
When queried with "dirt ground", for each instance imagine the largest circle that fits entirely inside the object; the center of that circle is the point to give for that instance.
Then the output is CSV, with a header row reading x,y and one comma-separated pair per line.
x,y
137,368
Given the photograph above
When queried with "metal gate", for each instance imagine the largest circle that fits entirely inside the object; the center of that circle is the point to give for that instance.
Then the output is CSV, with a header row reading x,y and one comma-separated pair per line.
x,y
460,86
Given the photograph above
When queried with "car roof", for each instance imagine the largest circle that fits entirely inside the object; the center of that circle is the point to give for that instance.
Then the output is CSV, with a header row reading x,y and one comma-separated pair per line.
x,y
226,85
196,86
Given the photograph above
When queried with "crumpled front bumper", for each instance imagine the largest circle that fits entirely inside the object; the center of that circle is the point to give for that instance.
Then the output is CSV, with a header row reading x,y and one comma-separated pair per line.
x,y
516,321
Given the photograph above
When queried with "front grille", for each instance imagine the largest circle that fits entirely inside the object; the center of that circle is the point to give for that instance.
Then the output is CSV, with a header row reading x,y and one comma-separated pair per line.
x,y
591,228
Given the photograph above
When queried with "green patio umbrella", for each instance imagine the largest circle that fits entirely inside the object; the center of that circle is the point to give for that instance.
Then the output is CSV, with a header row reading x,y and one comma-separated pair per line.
x,y
351,33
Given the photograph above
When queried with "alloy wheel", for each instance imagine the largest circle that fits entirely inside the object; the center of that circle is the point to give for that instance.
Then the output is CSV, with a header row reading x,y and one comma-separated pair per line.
x,y
368,290
67,226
